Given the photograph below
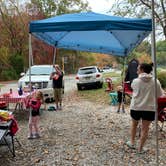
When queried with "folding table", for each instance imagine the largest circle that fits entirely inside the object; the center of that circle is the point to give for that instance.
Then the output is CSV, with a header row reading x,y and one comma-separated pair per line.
x,y
14,97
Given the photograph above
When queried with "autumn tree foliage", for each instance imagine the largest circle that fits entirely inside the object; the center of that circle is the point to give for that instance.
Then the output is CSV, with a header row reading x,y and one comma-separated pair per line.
x,y
14,22
143,8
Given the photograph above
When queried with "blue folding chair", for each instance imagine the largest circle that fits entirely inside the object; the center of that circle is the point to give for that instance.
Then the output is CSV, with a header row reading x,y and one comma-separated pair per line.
x,y
114,98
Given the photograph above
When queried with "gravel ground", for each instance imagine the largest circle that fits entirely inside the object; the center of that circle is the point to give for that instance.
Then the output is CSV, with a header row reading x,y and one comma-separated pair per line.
x,y
82,134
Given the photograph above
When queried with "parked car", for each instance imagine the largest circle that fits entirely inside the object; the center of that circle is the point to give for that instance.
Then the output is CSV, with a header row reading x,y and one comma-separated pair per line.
x,y
89,76
107,69
40,79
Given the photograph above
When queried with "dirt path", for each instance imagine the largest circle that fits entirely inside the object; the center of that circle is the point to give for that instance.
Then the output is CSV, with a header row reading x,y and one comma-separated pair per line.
x,y
82,134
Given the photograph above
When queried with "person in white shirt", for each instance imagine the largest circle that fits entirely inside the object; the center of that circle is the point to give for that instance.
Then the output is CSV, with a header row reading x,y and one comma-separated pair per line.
x,y
142,105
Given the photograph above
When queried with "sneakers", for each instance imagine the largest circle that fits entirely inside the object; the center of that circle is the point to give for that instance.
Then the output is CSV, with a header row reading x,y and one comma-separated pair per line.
x,y
36,135
33,136
128,143
30,136
118,111
59,107
143,151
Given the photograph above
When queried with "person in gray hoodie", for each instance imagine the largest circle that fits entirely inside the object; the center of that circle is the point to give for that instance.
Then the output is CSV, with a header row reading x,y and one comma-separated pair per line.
x,y
142,105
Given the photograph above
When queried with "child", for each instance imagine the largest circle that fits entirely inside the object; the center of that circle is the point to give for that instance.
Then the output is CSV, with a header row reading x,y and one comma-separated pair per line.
x,y
34,104
120,96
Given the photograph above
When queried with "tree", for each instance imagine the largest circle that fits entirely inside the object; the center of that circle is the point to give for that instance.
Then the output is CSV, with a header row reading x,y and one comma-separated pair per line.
x,y
56,7
47,8
161,53
14,20
142,8
14,36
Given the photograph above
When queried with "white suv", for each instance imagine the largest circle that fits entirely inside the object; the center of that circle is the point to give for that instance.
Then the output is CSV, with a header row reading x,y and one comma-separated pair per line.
x,y
89,76
40,79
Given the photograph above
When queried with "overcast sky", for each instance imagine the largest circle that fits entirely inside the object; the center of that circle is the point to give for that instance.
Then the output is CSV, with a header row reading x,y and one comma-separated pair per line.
x,y
100,6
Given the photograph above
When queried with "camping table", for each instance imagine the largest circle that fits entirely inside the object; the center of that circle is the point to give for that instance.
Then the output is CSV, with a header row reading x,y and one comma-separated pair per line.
x,y
4,132
15,98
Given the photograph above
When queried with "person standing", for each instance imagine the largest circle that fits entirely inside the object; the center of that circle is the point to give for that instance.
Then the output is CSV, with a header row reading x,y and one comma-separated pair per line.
x,y
142,105
57,78
131,72
34,103
121,98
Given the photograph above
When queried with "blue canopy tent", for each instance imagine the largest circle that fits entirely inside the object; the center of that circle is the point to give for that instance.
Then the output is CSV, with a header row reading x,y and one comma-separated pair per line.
x,y
95,32
92,32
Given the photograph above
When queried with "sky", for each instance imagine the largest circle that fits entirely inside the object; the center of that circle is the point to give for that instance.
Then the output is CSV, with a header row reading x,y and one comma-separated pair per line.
x,y
100,6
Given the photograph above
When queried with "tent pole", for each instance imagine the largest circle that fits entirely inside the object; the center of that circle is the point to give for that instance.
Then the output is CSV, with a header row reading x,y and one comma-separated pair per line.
x,y
30,59
54,55
155,76
123,81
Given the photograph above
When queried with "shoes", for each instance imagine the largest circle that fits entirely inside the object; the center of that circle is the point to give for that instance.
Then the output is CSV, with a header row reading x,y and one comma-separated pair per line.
x,y
128,143
60,108
30,136
118,111
33,136
36,135
143,151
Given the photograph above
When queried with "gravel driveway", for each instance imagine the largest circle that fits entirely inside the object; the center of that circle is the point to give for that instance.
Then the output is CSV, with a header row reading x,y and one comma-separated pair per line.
x,y
82,134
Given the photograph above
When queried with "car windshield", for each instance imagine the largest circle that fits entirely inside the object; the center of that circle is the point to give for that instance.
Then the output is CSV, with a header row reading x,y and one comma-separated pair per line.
x,y
44,70
87,71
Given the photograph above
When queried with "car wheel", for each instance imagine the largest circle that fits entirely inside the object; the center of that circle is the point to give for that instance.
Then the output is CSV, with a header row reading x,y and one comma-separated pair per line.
x,y
79,87
47,100
101,85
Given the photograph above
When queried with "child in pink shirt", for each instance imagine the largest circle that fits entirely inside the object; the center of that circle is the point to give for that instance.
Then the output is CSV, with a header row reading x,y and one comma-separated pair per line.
x,y
34,104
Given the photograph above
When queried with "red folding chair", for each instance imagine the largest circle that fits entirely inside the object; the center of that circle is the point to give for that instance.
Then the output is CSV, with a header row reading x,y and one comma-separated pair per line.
x,y
3,105
162,110
127,89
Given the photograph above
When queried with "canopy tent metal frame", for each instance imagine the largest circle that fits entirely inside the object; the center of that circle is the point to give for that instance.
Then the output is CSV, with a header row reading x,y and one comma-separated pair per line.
x,y
153,48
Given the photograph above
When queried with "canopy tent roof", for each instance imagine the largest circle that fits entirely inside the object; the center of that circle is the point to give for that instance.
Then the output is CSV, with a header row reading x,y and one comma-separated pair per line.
x,y
92,32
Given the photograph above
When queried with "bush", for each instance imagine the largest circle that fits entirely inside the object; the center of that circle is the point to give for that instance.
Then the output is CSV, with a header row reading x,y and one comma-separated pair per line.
x,y
8,75
16,61
162,78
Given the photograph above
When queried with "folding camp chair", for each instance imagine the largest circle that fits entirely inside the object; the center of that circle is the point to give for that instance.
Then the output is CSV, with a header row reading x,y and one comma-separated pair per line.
x,y
162,111
114,98
127,89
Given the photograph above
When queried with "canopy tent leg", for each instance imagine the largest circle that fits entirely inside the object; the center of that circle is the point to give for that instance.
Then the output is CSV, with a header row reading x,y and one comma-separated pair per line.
x,y
155,76
123,80
54,57
30,58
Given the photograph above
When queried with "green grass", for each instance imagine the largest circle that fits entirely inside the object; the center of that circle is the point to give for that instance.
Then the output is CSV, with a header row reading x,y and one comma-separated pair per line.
x,y
100,95
111,74
95,95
